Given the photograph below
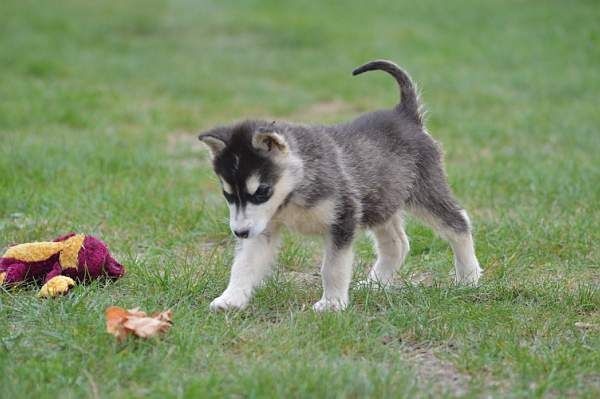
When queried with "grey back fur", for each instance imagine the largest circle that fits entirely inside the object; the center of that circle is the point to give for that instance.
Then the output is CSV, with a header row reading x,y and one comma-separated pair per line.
x,y
371,167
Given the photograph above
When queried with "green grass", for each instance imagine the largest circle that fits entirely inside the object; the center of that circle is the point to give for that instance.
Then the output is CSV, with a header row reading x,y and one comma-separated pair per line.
x,y
99,103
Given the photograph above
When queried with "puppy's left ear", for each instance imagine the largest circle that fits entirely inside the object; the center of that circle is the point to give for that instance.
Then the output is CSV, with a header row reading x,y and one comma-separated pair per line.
x,y
270,141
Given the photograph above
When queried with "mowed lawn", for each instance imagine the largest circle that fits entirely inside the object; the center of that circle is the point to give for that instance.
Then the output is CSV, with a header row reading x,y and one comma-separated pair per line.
x,y
100,103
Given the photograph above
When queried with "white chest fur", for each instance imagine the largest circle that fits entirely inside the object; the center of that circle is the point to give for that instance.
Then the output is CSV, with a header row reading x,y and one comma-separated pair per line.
x,y
313,220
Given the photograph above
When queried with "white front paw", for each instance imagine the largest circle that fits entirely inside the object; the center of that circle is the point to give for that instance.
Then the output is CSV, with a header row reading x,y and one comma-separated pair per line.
x,y
235,301
330,305
469,278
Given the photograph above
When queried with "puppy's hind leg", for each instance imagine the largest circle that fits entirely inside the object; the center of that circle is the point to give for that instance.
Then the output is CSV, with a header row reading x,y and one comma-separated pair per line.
x,y
392,248
451,222
466,264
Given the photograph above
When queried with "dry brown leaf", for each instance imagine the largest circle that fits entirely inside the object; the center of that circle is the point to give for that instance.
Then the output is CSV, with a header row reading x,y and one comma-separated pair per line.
x,y
121,322
136,312
115,317
167,316
146,327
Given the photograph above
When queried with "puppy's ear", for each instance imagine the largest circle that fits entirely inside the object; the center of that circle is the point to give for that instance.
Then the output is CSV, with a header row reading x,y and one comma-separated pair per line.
x,y
269,141
215,140
214,144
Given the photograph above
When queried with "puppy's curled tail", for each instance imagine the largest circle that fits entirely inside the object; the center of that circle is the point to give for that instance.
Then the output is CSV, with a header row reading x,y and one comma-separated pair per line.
x,y
409,102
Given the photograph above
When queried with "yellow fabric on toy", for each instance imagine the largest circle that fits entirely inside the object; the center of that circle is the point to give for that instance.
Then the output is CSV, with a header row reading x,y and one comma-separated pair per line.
x,y
70,252
33,251
55,286
38,251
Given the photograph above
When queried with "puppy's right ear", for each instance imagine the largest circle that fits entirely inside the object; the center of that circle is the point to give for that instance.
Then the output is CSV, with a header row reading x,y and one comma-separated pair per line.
x,y
215,141
214,144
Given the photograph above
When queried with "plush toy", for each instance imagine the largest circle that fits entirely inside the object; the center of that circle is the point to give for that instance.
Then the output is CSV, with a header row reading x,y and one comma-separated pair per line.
x,y
58,263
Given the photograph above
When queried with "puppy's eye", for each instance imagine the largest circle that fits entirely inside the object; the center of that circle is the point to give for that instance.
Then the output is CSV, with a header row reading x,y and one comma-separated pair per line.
x,y
262,193
263,190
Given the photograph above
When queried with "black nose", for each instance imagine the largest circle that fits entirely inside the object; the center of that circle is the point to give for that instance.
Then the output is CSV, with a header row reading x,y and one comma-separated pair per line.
x,y
242,233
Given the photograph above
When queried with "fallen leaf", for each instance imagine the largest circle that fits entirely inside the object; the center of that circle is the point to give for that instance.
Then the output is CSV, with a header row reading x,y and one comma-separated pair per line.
x,y
121,322
167,316
136,312
115,317
146,327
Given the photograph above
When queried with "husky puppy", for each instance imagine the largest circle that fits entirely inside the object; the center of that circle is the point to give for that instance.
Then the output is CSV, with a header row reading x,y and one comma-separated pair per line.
x,y
333,181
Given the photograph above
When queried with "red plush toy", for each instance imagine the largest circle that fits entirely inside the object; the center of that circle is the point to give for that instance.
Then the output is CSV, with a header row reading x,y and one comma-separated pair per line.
x,y
57,263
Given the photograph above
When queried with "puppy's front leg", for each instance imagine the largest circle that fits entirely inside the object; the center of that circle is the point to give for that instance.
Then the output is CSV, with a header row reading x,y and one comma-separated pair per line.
x,y
336,273
252,263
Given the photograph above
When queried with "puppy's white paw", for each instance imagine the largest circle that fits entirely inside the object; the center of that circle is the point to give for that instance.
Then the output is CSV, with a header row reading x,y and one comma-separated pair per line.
x,y
330,305
229,301
469,278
